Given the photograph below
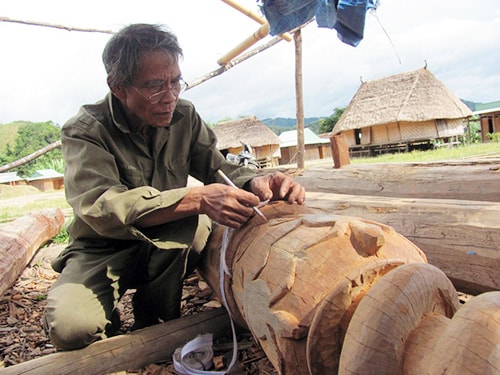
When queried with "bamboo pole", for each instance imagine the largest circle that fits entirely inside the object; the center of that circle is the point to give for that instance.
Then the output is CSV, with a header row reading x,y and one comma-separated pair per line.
x,y
234,62
247,43
254,16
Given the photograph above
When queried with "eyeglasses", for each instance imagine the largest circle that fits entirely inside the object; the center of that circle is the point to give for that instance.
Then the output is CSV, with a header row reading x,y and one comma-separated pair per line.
x,y
155,91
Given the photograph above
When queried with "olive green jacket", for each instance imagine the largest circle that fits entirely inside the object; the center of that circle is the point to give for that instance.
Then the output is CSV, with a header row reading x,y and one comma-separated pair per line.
x,y
113,178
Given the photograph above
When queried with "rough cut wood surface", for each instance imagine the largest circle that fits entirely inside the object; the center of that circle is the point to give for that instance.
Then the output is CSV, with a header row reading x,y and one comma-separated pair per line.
x,y
283,270
327,294
21,238
459,237
477,180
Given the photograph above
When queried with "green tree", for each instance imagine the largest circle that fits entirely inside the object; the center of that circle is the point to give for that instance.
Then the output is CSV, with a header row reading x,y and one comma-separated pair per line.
x,y
32,137
327,125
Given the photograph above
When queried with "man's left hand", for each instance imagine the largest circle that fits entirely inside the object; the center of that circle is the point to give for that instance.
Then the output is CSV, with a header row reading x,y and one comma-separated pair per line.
x,y
278,186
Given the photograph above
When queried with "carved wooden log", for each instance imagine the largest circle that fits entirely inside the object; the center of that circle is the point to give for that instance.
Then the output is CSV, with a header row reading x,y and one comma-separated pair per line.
x,y
309,287
21,238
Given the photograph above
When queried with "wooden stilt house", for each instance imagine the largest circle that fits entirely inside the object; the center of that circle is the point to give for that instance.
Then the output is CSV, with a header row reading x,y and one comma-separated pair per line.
x,y
402,112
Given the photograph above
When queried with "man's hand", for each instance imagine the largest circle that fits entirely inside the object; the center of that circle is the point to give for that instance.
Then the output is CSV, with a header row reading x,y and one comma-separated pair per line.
x,y
227,205
278,186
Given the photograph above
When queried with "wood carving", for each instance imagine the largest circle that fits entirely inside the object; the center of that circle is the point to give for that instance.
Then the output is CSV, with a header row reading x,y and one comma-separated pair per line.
x,y
326,294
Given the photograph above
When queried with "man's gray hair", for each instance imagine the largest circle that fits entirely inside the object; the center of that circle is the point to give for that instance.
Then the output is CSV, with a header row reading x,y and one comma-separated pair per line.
x,y
124,50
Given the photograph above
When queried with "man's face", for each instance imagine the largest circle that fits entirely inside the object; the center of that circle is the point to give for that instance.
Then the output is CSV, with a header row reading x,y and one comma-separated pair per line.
x,y
152,97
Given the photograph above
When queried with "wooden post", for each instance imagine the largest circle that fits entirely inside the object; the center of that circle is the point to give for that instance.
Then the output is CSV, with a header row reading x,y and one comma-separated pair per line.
x,y
297,37
340,151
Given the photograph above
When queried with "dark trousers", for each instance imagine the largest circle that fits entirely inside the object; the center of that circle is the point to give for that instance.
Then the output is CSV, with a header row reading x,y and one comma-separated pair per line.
x,y
81,305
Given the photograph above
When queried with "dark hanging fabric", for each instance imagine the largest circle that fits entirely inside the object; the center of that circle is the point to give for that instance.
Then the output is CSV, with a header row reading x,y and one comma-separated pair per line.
x,y
345,16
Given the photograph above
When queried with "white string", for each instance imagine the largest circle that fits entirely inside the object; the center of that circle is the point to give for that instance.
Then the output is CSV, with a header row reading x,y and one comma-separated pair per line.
x,y
201,346
387,35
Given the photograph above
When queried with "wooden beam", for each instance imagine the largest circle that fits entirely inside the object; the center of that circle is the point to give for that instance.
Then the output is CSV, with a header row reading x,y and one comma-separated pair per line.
x,y
130,351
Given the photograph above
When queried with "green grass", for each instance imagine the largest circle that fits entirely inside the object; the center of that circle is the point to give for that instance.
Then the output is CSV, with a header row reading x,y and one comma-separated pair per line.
x,y
444,153
12,212
16,201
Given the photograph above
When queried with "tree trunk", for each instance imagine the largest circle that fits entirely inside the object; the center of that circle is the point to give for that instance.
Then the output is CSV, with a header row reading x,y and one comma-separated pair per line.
x,y
21,238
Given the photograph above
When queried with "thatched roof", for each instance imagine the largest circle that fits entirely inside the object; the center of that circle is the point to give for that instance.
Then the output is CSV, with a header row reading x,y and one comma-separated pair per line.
x,y
249,130
413,97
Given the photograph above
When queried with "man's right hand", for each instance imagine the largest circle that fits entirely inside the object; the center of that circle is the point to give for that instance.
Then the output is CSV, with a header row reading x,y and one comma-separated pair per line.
x,y
227,205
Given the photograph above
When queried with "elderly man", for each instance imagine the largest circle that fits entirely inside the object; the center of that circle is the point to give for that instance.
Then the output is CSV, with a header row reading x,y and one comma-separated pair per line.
x,y
137,225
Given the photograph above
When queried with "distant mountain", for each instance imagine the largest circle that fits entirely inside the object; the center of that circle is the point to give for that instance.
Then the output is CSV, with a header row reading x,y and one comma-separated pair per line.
x,y
468,103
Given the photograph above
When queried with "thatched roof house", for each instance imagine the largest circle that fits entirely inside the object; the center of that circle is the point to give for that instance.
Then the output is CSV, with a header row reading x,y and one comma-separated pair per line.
x,y
264,142
406,108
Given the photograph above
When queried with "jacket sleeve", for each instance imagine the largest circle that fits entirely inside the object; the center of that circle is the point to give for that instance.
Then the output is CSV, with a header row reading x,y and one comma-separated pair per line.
x,y
105,207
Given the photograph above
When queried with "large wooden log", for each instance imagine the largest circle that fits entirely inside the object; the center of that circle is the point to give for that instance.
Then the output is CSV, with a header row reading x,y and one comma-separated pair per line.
x,y
336,294
21,238
459,237
478,180
127,352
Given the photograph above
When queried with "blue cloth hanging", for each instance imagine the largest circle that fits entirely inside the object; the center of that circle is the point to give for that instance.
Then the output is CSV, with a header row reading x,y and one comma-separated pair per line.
x,y
345,16
286,15
348,18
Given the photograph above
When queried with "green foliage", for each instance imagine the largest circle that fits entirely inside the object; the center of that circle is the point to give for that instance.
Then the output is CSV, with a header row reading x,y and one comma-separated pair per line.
x,y
473,135
61,238
327,125
494,137
30,138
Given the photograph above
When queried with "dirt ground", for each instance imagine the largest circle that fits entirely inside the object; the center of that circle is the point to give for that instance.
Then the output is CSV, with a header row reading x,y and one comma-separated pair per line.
x,y
21,309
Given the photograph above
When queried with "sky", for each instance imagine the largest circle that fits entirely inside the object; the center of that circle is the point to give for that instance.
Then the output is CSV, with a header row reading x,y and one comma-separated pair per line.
x,y
47,73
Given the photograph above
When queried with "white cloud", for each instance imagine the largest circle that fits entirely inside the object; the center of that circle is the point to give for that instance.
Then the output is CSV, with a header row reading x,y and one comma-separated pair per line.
x,y
48,73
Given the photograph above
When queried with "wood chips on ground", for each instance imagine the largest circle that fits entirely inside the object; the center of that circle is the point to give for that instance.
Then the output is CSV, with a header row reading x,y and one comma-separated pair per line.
x,y
22,337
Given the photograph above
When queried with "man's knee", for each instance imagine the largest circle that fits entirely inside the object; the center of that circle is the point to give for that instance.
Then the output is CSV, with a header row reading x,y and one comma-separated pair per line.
x,y
71,319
